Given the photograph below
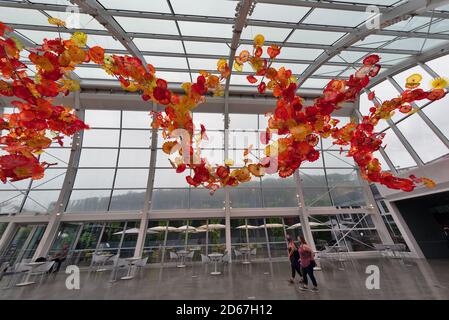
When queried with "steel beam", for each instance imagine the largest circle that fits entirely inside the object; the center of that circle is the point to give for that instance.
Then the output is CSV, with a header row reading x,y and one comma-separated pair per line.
x,y
97,11
226,20
132,35
388,18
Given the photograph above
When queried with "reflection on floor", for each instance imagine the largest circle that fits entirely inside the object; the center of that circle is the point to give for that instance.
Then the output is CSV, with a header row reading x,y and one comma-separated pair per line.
x,y
412,279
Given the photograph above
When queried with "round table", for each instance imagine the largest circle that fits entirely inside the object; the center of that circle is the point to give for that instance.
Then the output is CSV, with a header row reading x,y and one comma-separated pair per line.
x,y
130,265
182,255
246,252
215,257
33,266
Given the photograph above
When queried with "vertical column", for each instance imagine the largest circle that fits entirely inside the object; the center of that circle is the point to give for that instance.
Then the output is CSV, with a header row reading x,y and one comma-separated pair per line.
x,y
302,211
149,193
55,216
374,212
7,236
227,202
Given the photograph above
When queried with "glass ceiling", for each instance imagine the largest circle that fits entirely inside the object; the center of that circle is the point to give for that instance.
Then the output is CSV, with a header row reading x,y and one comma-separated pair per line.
x,y
181,37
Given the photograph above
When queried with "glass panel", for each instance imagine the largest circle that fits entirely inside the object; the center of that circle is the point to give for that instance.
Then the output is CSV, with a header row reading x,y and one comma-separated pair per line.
x,y
200,198
217,8
275,12
342,177
438,65
100,138
136,119
98,158
215,30
41,201
312,177
337,159
163,199
345,197
316,37
53,179
88,200
279,197
94,178
102,118
317,197
150,6
134,158
10,201
337,17
168,178
245,198
159,45
396,151
126,200
271,34
437,112
131,178
421,137
155,26
136,138
60,156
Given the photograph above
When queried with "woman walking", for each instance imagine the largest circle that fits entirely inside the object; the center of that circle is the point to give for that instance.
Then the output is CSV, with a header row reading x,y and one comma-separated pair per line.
x,y
307,264
293,255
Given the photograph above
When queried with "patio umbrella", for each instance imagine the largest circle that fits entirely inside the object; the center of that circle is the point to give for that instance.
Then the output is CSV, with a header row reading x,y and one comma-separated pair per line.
x,y
129,231
247,226
213,226
298,225
272,225
134,231
186,229
163,228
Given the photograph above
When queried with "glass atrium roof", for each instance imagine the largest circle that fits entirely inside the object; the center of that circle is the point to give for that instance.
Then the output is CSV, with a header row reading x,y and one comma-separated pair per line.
x,y
320,40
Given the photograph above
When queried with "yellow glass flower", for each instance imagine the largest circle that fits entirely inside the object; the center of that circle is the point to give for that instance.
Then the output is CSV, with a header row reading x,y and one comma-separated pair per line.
x,y
79,38
259,40
238,67
440,83
413,81
56,22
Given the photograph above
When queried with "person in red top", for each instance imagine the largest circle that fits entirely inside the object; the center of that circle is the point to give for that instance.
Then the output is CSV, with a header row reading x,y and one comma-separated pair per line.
x,y
307,263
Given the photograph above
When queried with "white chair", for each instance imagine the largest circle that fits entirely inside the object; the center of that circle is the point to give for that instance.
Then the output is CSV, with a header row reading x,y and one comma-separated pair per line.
x,y
141,263
237,254
205,259
98,260
225,258
190,255
254,252
173,256
42,270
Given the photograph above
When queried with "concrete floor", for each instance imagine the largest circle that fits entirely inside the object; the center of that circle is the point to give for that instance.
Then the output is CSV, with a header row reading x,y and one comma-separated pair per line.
x,y
416,279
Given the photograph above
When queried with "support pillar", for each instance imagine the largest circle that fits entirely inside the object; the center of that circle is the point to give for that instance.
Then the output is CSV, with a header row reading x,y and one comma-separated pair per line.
x,y
138,251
